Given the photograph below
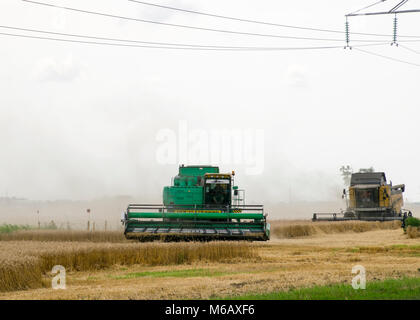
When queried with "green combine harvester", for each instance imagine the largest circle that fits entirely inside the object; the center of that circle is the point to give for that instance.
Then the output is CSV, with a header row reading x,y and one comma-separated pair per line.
x,y
201,204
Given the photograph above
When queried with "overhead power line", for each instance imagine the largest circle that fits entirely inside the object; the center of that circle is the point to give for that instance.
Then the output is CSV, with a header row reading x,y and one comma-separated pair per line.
x,y
268,23
383,13
394,10
128,41
177,47
235,19
192,27
409,49
403,2
132,41
93,42
180,46
386,57
369,6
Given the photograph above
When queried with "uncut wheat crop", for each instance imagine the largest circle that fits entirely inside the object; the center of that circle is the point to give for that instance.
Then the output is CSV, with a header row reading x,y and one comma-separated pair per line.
x,y
296,229
25,264
64,235
413,232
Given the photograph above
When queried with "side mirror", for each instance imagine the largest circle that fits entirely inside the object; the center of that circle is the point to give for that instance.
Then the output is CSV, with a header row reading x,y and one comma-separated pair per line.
x,y
344,192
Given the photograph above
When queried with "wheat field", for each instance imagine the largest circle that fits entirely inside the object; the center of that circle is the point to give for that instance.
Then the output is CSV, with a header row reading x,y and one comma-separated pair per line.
x,y
105,266
279,229
292,229
64,235
413,232
24,263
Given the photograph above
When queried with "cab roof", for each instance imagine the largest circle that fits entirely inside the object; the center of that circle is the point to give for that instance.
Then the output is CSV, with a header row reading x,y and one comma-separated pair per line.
x,y
196,171
363,178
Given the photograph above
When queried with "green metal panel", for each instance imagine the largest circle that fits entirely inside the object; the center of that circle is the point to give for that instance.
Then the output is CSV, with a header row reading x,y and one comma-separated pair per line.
x,y
197,215
201,229
176,224
184,181
183,196
187,186
196,171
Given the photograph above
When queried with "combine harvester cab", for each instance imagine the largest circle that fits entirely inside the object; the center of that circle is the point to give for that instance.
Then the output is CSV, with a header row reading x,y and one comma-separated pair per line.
x,y
201,204
370,199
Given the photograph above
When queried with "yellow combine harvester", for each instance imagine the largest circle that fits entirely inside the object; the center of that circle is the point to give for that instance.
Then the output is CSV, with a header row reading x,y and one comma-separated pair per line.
x,y
370,198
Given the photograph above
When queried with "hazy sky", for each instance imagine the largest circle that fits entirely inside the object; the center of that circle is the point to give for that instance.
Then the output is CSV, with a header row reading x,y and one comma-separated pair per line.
x,y
81,121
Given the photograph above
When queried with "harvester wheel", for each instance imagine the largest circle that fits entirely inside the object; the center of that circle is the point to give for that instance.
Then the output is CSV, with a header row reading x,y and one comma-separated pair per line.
x,y
349,214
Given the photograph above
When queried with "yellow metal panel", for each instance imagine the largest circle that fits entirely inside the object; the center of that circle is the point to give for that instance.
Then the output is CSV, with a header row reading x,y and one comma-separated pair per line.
x,y
384,196
352,198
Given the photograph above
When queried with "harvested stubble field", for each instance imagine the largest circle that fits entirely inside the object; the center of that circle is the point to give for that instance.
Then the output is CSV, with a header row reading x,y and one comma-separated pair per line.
x,y
292,259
